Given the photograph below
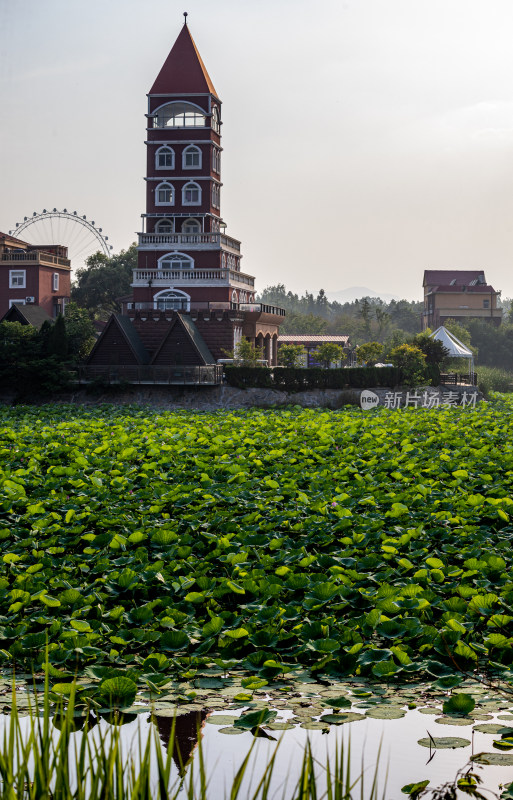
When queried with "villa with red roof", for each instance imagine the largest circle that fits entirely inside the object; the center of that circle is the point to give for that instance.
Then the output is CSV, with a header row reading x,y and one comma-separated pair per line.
x,y
458,294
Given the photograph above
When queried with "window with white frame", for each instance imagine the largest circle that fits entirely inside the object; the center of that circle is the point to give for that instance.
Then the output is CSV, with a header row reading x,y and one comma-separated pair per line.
x,y
191,226
17,279
55,282
172,300
179,115
14,302
216,160
165,158
164,195
216,195
191,194
164,226
215,124
191,157
175,261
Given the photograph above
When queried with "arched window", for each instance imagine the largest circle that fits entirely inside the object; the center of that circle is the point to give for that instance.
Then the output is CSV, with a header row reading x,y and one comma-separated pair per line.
x,y
191,194
216,125
216,195
191,157
191,226
175,261
235,297
223,261
172,300
164,226
179,115
165,158
216,160
164,195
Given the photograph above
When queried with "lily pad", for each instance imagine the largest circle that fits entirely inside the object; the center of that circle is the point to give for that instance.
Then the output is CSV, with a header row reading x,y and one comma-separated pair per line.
x,y
280,726
386,712
231,731
444,742
453,721
221,719
315,725
339,719
493,728
494,759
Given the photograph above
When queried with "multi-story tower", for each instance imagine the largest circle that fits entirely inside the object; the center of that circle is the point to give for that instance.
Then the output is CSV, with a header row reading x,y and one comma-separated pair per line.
x,y
186,262
185,259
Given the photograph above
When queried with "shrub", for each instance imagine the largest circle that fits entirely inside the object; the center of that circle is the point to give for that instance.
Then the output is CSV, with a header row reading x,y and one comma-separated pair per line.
x,y
289,379
369,353
493,379
412,363
291,355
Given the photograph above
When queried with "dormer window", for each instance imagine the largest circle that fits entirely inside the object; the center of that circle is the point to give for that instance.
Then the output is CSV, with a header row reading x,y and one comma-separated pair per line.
x,y
165,158
191,157
164,226
179,115
164,195
191,194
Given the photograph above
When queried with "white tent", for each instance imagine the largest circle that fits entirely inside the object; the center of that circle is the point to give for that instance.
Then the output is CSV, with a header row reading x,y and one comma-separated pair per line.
x,y
456,348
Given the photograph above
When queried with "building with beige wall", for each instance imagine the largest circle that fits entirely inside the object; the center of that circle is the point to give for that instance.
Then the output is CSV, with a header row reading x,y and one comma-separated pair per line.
x,y
458,294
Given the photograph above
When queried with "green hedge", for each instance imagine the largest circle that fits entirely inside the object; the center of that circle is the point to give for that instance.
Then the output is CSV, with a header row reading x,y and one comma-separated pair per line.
x,y
295,380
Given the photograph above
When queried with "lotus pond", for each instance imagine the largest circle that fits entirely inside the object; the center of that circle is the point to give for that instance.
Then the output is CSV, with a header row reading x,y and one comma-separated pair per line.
x,y
228,560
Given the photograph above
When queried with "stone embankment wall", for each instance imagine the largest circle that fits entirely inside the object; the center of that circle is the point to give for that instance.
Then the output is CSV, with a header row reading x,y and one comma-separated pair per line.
x,y
217,397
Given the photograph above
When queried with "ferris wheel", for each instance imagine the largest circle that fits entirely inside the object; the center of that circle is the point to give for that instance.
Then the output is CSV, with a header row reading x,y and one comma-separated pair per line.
x,y
81,236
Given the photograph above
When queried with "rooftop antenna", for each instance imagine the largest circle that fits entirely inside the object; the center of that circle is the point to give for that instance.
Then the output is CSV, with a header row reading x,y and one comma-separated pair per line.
x,y
185,15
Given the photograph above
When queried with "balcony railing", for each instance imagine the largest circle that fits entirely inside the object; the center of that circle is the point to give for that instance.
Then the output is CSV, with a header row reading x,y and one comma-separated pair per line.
x,y
34,255
189,306
262,308
222,277
190,240
175,304
173,375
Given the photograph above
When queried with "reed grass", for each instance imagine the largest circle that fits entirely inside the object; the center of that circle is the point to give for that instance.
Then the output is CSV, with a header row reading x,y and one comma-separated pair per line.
x,y
43,758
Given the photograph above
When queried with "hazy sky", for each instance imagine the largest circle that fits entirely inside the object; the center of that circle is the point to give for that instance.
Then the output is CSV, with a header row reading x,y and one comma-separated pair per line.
x,y
364,140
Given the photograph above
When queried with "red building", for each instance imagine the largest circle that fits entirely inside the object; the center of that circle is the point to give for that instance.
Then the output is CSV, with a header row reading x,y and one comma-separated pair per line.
x,y
33,274
186,262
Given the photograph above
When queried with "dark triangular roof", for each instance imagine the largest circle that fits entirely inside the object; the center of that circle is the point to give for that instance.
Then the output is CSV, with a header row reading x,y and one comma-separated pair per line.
x,y
195,338
26,315
198,339
183,71
130,334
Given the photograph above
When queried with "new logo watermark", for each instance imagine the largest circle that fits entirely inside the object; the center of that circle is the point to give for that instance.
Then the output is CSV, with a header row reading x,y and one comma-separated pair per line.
x,y
368,400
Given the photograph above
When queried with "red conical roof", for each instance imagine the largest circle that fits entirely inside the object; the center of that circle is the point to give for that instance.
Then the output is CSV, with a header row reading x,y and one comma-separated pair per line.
x,y
183,71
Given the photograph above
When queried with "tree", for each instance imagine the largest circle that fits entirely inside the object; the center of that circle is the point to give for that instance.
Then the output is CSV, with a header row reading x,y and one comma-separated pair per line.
x,y
412,363
245,354
25,364
80,332
369,353
327,352
304,323
291,355
99,285
57,339
435,351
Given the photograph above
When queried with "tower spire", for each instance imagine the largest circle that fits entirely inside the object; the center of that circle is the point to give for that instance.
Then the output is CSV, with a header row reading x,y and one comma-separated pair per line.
x,y
185,16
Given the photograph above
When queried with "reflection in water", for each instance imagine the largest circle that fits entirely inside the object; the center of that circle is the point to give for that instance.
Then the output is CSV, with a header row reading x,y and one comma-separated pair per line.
x,y
187,730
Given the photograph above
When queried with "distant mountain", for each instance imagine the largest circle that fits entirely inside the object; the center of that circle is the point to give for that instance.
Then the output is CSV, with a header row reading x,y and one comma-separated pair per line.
x,y
356,293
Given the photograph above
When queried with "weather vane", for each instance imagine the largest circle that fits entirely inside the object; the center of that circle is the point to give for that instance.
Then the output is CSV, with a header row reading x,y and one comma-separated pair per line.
x,y
185,15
